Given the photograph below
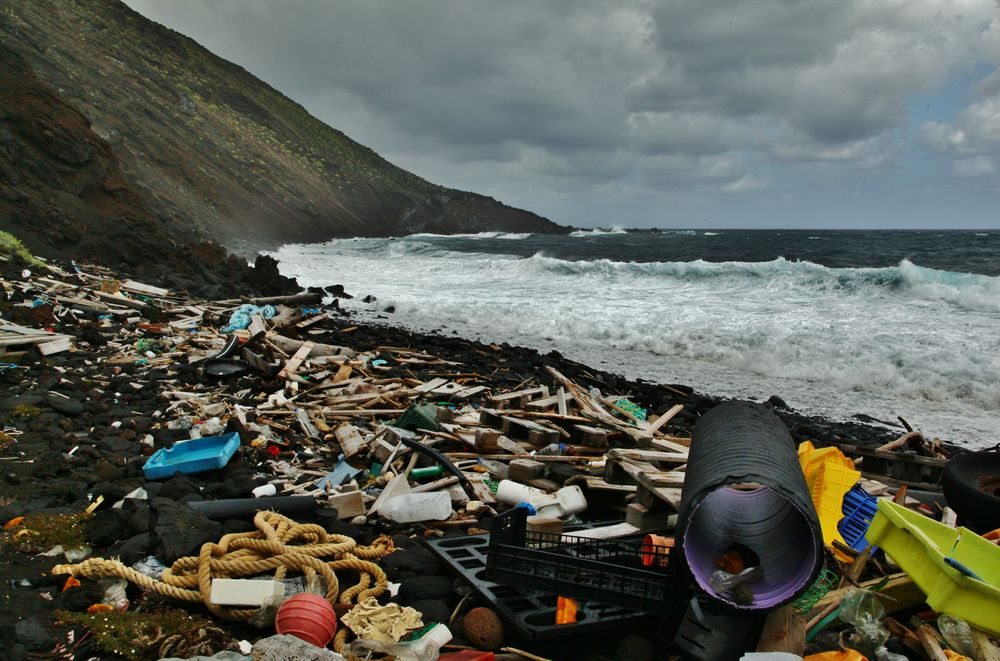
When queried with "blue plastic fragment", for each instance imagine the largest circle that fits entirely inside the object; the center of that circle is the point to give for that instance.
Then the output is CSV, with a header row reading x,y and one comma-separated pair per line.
x,y
194,456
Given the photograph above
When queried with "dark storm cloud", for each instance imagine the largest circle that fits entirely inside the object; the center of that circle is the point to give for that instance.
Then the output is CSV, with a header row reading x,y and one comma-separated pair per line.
x,y
655,96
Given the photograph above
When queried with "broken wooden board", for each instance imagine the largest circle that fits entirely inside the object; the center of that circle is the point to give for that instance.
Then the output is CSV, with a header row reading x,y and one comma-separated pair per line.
x,y
350,439
295,361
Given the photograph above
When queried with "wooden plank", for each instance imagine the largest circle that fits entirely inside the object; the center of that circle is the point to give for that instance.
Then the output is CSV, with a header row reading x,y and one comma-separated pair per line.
x,y
784,631
561,398
121,300
928,639
348,505
594,437
141,288
258,326
62,343
469,392
428,386
306,323
295,361
350,439
664,419
343,373
985,649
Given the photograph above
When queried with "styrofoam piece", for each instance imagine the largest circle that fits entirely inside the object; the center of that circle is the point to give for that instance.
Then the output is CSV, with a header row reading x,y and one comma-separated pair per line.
x,y
244,591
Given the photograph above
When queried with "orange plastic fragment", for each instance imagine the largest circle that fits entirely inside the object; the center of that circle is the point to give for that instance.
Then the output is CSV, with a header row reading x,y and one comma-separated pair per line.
x,y
730,562
993,535
71,582
565,610
955,656
99,608
839,655
13,522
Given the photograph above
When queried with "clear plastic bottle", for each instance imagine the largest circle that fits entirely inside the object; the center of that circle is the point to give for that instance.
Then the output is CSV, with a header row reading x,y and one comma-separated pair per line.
x,y
958,634
863,610
883,654
723,581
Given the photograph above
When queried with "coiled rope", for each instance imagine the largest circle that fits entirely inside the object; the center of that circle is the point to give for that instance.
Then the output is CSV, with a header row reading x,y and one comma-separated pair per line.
x,y
279,544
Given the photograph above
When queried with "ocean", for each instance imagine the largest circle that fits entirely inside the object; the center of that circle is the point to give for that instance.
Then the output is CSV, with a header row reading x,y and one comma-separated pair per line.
x,y
836,323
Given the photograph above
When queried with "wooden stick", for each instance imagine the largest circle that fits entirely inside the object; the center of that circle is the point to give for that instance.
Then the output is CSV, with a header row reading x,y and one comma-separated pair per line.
x,y
522,653
664,419
930,644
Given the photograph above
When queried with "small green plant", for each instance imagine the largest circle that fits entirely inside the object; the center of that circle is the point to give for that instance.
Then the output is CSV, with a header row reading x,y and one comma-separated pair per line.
x,y
149,635
41,532
25,411
11,246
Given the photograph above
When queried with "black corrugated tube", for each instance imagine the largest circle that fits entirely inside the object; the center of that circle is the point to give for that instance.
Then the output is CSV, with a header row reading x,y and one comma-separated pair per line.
x,y
744,492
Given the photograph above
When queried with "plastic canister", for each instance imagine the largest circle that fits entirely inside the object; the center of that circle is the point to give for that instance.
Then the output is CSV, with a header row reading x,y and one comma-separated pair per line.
x,y
563,503
410,507
511,493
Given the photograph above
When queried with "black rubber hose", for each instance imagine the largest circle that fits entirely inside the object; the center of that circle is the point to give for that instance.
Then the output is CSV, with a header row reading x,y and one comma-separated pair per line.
x,y
971,485
246,508
444,461
744,490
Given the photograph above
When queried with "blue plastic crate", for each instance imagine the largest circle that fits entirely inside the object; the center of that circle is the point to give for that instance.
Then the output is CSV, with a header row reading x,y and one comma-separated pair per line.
x,y
859,509
194,456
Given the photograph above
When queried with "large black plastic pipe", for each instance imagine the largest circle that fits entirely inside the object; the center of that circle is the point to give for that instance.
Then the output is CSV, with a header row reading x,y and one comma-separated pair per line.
x,y
246,508
744,486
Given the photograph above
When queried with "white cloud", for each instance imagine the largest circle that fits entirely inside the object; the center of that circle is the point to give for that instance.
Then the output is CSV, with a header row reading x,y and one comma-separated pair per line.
x,y
977,166
659,95
747,183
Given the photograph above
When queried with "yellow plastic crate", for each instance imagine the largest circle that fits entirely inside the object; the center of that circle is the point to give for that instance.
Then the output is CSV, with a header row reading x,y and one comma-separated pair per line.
x,y
829,475
919,546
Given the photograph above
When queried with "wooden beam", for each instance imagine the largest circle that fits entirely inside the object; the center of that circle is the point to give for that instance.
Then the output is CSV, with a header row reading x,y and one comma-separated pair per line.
x,y
295,361
784,631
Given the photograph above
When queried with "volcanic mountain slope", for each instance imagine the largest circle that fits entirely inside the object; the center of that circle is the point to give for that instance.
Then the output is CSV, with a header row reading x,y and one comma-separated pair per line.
x,y
214,150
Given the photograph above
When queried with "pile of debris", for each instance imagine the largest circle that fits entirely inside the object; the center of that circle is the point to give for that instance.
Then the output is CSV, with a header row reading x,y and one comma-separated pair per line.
x,y
270,464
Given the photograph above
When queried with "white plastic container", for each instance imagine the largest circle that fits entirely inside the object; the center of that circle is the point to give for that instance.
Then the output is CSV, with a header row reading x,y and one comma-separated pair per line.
x,y
410,507
264,490
510,492
562,504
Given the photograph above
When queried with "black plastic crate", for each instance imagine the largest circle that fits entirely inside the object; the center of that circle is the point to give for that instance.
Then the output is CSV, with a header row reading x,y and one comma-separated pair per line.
x,y
610,571
531,613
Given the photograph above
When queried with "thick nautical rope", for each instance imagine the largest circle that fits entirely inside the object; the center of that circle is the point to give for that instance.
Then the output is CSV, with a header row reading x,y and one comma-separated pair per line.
x,y
279,544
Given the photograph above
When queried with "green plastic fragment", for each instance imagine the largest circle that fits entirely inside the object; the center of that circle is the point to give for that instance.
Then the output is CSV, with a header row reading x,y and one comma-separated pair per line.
x,y
825,582
626,405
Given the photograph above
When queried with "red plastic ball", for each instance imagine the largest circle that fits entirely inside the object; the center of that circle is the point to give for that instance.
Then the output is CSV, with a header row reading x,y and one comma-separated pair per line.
x,y
309,617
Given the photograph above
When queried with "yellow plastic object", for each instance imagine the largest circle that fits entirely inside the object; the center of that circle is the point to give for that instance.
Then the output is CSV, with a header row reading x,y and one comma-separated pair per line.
x,y
839,655
829,475
920,546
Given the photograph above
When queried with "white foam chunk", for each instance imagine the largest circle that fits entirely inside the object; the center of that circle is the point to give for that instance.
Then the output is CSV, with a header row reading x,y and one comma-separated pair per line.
x,y
244,592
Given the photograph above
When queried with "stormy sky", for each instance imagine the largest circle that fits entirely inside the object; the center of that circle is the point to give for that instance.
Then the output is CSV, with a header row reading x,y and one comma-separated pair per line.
x,y
673,113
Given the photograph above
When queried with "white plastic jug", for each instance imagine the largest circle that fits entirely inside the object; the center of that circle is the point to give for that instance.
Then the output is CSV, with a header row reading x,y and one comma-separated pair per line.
x,y
410,507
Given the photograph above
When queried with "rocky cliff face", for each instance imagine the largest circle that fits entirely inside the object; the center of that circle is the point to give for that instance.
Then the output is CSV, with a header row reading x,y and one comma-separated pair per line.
x,y
150,120
63,192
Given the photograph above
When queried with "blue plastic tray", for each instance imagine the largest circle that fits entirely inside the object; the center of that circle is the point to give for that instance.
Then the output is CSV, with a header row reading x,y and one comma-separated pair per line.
x,y
859,510
194,456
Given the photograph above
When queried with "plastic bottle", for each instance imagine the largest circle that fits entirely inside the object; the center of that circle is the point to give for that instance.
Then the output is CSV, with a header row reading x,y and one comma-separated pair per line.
x,y
723,581
410,507
497,469
958,634
863,610
883,654
425,648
